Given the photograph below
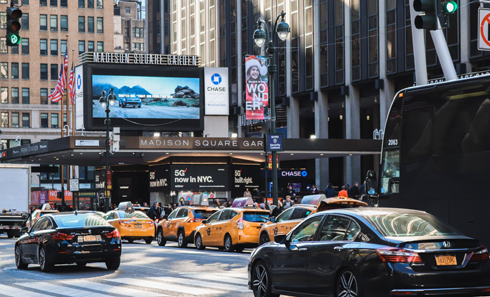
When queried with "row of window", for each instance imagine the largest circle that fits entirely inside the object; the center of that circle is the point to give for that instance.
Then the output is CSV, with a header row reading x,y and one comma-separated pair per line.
x,y
24,20
63,3
63,23
14,95
26,120
90,24
53,47
4,70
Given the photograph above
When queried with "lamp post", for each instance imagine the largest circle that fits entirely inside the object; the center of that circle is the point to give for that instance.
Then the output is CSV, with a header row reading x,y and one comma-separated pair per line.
x,y
260,37
105,102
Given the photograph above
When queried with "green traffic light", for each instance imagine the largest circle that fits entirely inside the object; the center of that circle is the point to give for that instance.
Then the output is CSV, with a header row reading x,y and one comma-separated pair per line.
x,y
13,39
450,7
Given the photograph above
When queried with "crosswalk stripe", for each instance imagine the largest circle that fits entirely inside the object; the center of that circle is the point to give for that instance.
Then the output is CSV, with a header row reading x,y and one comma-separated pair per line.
x,y
215,278
237,275
164,287
103,288
14,292
65,291
193,282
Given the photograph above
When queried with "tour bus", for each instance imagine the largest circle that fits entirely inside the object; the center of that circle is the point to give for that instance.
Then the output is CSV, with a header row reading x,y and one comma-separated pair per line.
x,y
436,153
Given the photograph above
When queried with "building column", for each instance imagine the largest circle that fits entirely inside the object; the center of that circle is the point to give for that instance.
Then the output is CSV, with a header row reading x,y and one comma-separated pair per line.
x,y
293,118
321,132
352,105
240,62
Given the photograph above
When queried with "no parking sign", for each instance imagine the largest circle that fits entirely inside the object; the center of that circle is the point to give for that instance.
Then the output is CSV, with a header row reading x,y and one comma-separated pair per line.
x,y
484,34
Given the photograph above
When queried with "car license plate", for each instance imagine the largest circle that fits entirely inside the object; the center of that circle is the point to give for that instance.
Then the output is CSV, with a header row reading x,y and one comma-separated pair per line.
x,y
138,226
89,238
446,260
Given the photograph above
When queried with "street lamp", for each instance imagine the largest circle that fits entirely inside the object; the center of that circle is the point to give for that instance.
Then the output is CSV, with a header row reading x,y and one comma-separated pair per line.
x,y
105,102
260,37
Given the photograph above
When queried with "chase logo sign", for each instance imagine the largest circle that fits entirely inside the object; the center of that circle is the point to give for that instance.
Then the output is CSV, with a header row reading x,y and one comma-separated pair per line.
x,y
216,79
79,81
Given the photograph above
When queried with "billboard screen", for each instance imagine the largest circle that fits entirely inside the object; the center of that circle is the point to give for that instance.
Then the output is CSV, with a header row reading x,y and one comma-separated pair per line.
x,y
148,97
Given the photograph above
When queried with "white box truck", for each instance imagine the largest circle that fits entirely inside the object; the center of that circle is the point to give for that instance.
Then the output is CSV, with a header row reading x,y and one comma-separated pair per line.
x,y
15,194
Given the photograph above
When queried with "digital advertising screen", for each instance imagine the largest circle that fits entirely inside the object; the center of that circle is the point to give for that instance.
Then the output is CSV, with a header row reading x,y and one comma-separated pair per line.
x,y
154,98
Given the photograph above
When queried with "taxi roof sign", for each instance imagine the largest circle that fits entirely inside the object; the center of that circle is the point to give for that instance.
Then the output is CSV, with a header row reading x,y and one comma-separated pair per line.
x,y
125,205
242,202
200,199
339,202
313,199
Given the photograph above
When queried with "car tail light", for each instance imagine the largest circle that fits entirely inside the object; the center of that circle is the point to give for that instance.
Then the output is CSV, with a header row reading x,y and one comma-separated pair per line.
x,y
194,220
62,236
239,223
397,255
151,223
113,234
124,223
480,255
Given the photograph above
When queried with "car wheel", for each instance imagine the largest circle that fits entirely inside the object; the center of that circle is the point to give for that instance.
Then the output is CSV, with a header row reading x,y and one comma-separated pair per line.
x,y
148,240
139,106
199,244
130,240
181,239
113,264
264,238
44,261
81,264
160,238
18,259
261,281
228,244
347,285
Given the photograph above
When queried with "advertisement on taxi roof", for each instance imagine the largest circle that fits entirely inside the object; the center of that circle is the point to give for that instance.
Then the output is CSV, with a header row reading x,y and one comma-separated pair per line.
x,y
257,90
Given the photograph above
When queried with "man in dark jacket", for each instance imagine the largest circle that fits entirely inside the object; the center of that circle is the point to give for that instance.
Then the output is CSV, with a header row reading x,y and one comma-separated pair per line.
x,y
354,191
330,191
152,212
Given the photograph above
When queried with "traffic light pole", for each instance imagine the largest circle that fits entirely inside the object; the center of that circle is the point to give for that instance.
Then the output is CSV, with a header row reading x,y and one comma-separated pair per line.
x,y
419,50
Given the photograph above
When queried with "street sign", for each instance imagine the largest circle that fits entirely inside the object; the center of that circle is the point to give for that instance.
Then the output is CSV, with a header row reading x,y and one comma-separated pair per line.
x,y
74,185
274,142
484,35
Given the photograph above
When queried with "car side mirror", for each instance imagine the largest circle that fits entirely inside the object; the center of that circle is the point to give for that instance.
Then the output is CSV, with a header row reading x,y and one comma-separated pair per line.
x,y
280,238
273,219
204,222
24,230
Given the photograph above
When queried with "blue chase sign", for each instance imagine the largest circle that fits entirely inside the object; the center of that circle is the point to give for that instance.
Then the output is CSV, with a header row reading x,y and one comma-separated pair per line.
x,y
274,142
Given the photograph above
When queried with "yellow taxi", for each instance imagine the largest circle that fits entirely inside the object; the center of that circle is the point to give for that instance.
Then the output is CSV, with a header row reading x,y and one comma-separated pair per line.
x,y
132,225
232,228
182,222
292,216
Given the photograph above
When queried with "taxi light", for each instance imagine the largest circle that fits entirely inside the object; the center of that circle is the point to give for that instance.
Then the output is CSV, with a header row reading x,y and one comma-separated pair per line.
x,y
62,236
194,220
124,223
480,255
113,234
486,290
396,255
239,224
151,223
402,293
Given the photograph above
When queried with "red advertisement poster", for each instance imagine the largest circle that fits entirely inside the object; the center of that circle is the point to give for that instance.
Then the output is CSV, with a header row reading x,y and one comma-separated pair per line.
x,y
257,91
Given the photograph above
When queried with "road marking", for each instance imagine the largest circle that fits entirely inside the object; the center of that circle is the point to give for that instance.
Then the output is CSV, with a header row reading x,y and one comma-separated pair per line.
x,y
65,291
215,278
164,287
103,288
205,284
238,275
11,291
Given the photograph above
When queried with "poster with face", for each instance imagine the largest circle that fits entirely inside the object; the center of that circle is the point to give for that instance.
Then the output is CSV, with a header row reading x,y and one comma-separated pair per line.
x,y
257,91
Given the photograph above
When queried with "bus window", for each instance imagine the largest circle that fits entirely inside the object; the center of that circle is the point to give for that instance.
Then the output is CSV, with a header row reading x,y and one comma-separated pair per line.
x,y
390,172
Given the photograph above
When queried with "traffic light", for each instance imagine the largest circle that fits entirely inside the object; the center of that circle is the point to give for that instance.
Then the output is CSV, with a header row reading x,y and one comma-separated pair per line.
x,y
449,7
13,26
429,20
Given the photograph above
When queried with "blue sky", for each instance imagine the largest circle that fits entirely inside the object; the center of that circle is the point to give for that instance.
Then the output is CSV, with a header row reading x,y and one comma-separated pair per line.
x,y
154,85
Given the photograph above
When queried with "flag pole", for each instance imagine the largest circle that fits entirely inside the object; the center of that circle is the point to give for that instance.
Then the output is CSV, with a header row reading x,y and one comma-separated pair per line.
x,y
62,135
67,112
73,105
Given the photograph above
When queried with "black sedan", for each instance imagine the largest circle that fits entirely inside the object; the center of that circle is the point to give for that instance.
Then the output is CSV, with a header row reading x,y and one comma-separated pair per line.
x,y
63,238
371,252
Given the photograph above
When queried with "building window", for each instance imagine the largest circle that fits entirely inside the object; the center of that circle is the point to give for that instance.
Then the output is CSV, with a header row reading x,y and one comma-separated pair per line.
x,y
53,22
90,24
100,4
81,3
100,46
4,70
3,45
25,96
3,20
52,102
63,46
54,120
64,120
4,95
43,22
44,71
43,45
25,21
128,10
81,47
15,70
25,70
15,95
44,120
26,120
54,72
100,25
53,2
14,50
44,96
25,2
43,2
138,47
63,3
4,120
90,46
90,3
63,22
25,46
138,32
54,47
15,120
81,24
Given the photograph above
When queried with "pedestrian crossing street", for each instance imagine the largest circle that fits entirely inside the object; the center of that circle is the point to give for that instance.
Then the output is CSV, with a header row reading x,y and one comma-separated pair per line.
x,y
185,284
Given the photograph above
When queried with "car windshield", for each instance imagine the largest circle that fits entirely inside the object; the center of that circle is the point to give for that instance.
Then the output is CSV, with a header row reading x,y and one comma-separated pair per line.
x,y
404,225
202,213
80,221
255,216
132,215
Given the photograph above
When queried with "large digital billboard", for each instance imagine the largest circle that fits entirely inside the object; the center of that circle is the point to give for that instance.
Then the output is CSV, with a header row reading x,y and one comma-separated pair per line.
x,y
148,97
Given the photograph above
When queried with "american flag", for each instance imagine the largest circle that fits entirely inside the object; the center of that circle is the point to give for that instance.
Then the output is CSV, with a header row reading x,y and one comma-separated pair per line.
x,y
71,86
56,95
64,73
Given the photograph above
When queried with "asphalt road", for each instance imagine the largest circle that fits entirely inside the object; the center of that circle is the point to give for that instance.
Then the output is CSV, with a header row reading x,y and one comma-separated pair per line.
x,y
147,112
146,270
